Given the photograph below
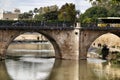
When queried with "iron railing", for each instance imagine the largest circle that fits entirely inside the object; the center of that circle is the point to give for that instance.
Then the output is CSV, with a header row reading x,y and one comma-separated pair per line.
x,y
35,25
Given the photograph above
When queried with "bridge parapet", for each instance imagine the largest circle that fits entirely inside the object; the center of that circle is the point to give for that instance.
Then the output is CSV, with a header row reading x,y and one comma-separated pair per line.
x,y
100,28
35,28
35,25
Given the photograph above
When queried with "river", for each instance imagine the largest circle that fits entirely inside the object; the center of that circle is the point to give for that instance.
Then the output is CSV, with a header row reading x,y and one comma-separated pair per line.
x,y
34,63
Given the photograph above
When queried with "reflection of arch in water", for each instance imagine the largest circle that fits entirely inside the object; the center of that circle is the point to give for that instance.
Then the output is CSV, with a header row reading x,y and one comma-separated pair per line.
x,y
48,36
65,70
104,70
27,69
3,72
109,39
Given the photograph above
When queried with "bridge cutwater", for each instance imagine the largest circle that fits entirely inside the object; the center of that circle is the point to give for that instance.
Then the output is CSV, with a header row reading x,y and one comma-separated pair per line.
x,y
69,42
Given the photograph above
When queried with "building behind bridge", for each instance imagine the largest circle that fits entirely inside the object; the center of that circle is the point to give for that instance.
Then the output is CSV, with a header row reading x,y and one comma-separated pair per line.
x,y
8,15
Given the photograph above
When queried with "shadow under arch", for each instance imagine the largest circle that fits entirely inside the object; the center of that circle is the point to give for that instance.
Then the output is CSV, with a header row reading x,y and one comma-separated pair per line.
x,y
92,42
51,39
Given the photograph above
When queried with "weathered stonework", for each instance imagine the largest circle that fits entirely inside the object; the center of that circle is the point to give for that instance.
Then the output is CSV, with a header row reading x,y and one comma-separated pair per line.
x,y
87,37
68,43
65,42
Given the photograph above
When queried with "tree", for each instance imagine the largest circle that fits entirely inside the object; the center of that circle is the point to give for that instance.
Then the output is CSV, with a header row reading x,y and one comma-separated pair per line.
x,y
39,17
43,10
67,12
25,16
36,10
47,13
46,9
109,0
114,11
92,14
112,7
113,2
30,11
53,15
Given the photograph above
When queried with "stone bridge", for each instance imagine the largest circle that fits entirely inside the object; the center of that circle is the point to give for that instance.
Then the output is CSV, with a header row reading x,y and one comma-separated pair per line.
x,y
68,42
64,39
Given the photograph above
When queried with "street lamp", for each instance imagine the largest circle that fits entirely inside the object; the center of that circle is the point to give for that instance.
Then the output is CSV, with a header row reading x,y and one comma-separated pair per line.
x,y
77,18
43,21
64,15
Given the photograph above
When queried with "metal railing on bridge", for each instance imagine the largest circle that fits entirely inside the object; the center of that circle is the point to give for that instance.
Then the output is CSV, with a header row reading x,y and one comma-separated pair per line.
x,y
96,27
7,24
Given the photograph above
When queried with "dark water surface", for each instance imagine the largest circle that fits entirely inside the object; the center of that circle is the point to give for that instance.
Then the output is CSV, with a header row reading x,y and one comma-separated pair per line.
x,y
30,67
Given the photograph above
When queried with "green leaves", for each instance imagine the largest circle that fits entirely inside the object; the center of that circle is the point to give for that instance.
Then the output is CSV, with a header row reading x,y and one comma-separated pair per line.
x,y
91,15
67,12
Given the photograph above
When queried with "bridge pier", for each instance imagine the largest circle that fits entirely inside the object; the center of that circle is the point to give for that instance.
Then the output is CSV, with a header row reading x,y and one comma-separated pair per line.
x,y
2,54
2,50
73,45
67,42
82,46
4,39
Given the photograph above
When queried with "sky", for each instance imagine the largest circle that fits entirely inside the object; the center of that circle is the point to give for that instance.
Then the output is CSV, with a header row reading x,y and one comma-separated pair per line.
x,y
26,5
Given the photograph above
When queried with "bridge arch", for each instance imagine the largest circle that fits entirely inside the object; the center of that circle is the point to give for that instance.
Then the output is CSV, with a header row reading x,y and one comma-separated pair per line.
x,y
109,39
87,37
96,37
49,37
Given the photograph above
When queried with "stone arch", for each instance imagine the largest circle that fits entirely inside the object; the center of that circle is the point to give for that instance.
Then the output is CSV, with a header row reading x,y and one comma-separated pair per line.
x,y
95,37
50,38
98,34
87,37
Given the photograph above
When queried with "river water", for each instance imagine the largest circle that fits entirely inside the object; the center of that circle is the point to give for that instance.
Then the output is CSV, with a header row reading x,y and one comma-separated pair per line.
x,y
32,65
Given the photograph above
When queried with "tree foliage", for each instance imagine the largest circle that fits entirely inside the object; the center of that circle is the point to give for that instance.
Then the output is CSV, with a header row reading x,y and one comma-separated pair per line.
x,y
115,1
47,13
53,15
35,10
114,11
101,8
39,17
113,6
25,16
91,15
67,12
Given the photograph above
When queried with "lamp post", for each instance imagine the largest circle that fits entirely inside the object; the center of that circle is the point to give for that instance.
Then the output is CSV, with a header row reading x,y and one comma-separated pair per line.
x,y
43,22
77,17
64,15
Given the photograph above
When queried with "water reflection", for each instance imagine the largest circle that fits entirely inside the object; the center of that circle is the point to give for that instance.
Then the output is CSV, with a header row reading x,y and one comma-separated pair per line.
x,y
97,69
25,69
64,70
35,68
50,69
3,72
